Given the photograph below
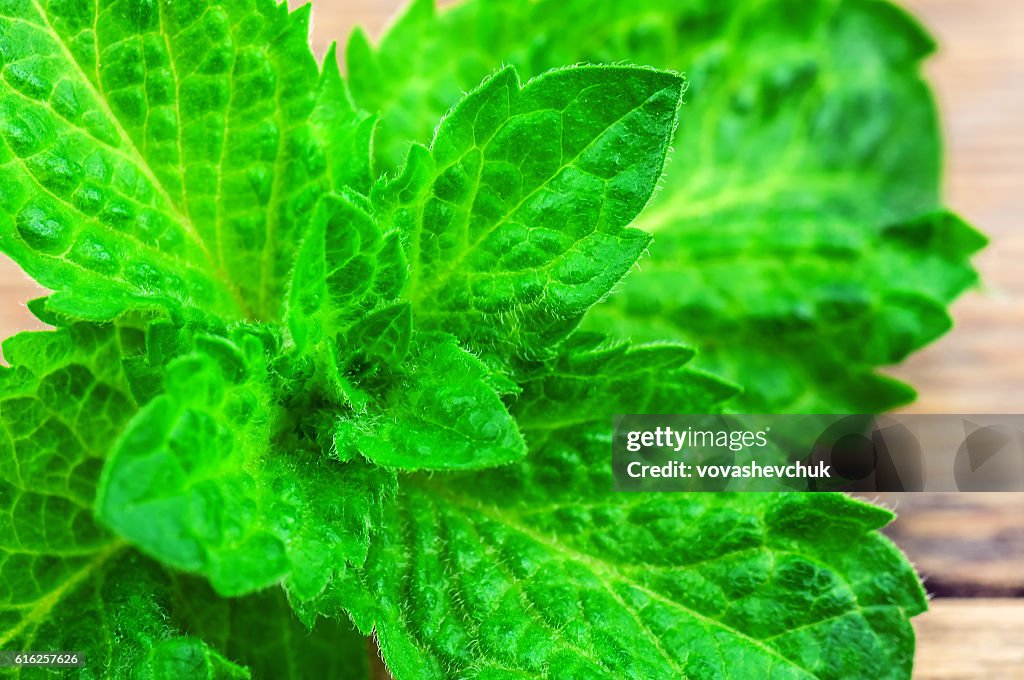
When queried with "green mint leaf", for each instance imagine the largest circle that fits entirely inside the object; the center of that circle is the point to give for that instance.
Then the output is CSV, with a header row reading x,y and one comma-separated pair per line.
x,y
345,269
781,241
515,572
113,609
516,218
456,423
595,377
347,321
810,345
68,583
346,132
160,155
382,337
804,328
210,479
379,79
288,323
534,566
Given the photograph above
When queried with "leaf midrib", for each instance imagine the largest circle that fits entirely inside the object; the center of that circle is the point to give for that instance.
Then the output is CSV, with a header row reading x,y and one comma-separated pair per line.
x,y
439,280
599,568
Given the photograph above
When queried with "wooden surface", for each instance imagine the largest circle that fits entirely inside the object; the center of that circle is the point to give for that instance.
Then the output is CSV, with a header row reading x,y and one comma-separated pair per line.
x,y
979,78
963,545
970,640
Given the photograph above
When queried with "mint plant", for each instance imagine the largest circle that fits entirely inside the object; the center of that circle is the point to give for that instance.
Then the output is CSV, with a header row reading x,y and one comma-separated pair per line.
x,y
335,357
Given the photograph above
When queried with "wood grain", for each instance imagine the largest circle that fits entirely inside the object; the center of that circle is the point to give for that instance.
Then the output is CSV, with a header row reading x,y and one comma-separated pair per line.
x,y
979,77
970,640
963,545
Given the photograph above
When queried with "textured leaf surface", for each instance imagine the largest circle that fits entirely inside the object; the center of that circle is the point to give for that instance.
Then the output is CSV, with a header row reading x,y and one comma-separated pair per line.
x,y
345,131
116,614
594,377
516,218
456,423
539,570
159,153
800,318
347,322
347,268
796,243
197,481
68,584
176,155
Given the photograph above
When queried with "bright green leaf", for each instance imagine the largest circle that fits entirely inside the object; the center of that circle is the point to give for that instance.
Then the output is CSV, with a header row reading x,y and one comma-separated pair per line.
x,y
382,337
516,217
346,268
539,567
594,378
346,132
294,323
808,143
161,155
68,584
347,322
201,480
260,632
800,318
457,422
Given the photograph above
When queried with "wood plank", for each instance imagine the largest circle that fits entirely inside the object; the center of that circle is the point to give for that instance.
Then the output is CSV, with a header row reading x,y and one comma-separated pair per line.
x,y
963,545
970,640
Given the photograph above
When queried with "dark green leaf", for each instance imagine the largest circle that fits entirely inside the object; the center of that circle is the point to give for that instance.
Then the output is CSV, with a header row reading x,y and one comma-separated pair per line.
x,y
261,632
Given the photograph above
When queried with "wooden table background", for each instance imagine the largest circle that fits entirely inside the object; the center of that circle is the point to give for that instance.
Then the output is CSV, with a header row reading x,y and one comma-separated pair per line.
x,y
966,545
